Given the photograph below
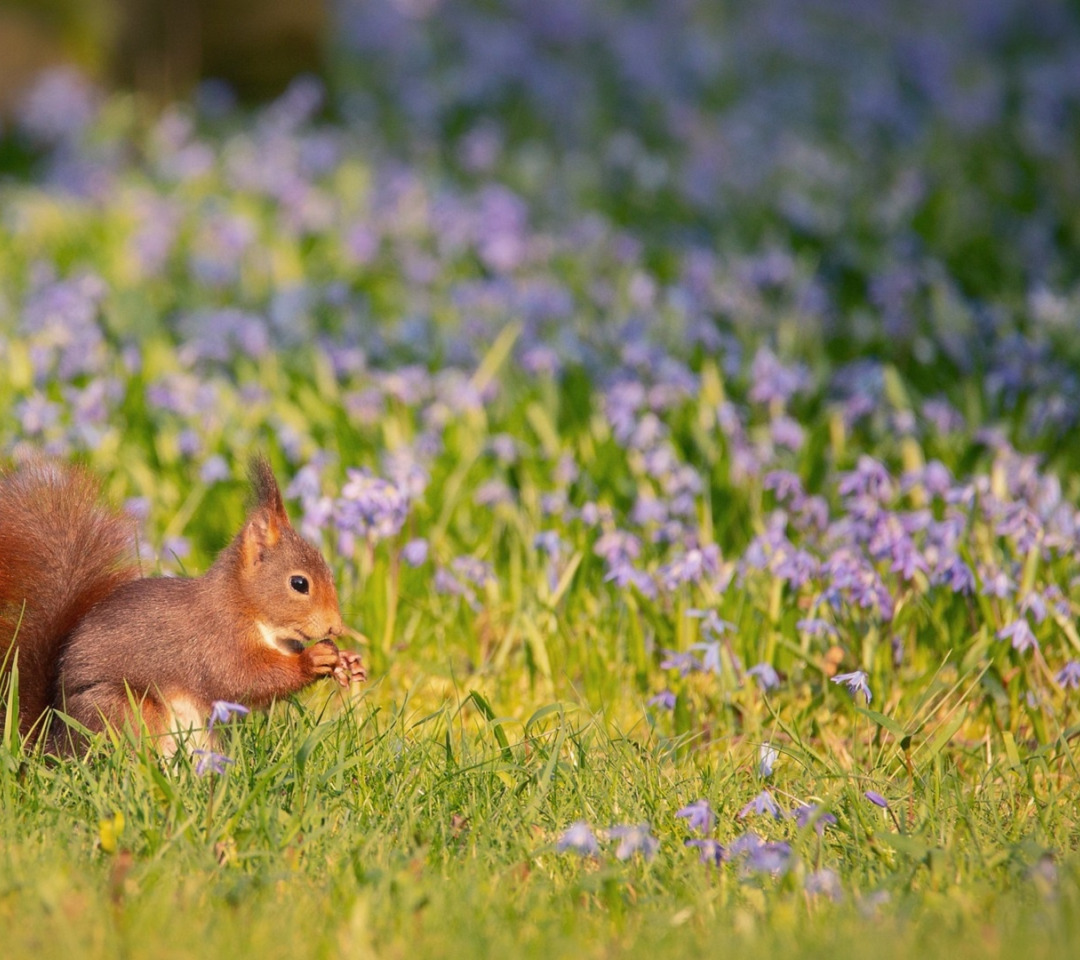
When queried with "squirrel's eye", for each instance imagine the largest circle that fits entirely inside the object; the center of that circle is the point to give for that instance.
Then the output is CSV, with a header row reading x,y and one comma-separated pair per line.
x,y
299,584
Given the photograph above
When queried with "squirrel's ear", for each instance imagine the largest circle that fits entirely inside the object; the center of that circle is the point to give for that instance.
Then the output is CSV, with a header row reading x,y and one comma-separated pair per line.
x,y
267,521
267,494
261,533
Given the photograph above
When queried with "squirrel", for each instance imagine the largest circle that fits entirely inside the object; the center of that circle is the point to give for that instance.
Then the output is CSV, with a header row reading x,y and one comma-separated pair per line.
x,y
106,646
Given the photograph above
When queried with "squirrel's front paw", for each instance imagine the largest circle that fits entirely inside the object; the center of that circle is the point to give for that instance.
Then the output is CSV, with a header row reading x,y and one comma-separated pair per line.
x,y
350,668
322,658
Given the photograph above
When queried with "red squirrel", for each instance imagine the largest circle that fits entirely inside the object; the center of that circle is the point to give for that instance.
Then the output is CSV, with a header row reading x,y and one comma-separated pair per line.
x,y
94,637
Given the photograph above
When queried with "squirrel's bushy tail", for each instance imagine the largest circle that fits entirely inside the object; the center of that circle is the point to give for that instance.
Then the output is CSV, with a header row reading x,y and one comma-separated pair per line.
x,y
62,550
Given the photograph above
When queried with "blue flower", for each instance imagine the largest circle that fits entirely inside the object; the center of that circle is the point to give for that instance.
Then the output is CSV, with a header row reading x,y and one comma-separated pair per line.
x,y
710,662
635,839
549,542
665,699
766,675
824,882
856,683
579,839
772,858
415,552
815,627
711,622
762,804
761,857
221,711
698,816
877,799
369,508
711,850
1021,634
207,761
684,662
1068,676
811,813
1034,604
214,469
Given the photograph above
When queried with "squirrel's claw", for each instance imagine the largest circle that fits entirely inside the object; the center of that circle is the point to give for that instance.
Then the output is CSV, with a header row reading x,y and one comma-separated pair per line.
x,y
350,668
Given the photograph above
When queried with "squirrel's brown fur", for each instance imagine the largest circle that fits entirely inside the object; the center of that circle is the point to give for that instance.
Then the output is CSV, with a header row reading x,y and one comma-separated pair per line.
x,y
92,635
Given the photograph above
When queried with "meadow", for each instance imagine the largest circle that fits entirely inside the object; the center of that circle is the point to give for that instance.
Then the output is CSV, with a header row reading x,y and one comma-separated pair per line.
x,y
685,398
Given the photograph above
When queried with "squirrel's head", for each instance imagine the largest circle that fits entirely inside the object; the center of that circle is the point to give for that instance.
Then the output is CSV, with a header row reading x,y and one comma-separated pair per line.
x,y
284,578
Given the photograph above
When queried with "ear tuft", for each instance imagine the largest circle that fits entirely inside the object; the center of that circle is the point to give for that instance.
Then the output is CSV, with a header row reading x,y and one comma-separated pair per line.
x,y
267,494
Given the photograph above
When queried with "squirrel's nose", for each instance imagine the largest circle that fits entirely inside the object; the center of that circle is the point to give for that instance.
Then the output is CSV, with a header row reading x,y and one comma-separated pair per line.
x,y
335,629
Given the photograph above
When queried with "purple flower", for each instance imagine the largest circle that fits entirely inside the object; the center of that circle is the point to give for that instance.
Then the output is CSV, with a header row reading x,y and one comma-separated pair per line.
x,y
956,575
794,567
214,469
207,761
446,582
617,545
684,662
997,583
856,683
773,382
369,507
37,414
634,839
690,567
774,858
710,662
907,560
665,699
944,418
1021,634
785,484
766,675
868,479
415,552
762,804
824,882
59,107
1068,676
549,542
698,815
473,570
176,547
711,850
815,627
1034,604
579,839
812,813
877,799
1022,525
221,711
624,574
505,448
786,432
711,622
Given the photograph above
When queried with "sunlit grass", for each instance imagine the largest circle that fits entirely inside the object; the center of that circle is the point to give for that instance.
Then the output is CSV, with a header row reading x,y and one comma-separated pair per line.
x,y
403,834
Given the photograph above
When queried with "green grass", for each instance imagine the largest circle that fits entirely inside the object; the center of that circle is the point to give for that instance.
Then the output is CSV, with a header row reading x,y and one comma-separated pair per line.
x,y
386,833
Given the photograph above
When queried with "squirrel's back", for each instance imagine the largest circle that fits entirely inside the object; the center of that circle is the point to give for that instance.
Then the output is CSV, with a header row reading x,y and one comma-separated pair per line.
x,y
62,550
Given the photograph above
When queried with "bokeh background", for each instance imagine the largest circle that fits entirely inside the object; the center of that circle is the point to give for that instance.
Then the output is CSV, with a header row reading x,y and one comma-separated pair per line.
x,y
689,113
